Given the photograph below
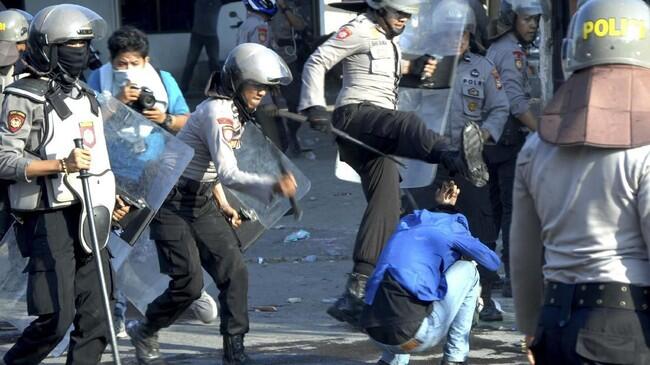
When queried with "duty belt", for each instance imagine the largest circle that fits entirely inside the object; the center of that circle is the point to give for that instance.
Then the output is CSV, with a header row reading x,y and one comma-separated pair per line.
x,y
194,187
597,295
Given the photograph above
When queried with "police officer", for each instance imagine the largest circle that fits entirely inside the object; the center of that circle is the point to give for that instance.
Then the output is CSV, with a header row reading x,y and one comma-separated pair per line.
x,y
478,96
190,232
41,115
366,109
582,199
513,35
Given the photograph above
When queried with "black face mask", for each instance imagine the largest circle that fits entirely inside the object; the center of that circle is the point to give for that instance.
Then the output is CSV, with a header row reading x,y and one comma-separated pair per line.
x,y
73,60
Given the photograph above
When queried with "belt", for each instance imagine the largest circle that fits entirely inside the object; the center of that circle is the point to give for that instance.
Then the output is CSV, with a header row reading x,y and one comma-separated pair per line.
x,y
598,295
194,187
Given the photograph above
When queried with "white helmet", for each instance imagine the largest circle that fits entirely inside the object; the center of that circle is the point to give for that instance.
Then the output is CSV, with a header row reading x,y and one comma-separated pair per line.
x,y
406,6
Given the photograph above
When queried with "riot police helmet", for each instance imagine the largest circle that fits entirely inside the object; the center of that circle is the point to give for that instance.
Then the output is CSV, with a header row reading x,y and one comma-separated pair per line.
x,y
607,32
406,6
14,25
57,25
451,19
252,63
268,7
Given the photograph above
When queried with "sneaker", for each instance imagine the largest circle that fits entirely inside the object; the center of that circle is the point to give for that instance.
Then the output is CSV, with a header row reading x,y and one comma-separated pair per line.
x,y
472,143
490,313
145,341
120,328
205,308
382,362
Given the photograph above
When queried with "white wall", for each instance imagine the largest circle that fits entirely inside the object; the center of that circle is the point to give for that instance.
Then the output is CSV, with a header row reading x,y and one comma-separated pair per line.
x,y
168,50
333,18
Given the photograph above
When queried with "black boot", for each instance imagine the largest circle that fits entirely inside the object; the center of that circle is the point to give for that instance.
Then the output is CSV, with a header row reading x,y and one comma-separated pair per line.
x,y
145,341
349,306
234,351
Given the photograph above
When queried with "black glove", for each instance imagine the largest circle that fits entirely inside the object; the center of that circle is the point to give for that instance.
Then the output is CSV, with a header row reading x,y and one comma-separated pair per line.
x,y
319,118
418,64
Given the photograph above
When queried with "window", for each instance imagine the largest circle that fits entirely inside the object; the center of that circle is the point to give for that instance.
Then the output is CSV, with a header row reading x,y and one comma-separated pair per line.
x,y
158,16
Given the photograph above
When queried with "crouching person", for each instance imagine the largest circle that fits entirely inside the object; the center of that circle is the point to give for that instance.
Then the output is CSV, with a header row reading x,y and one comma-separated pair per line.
x,y
421,291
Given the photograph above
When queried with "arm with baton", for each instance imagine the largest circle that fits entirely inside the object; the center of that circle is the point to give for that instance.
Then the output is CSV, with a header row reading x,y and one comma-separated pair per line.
x,y
88,206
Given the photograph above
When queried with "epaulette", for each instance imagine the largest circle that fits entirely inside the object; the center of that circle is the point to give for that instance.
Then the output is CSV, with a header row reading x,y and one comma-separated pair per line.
x,y
31,88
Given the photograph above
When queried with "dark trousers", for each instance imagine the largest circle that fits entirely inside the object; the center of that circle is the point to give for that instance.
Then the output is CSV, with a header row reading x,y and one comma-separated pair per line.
x,y
197,42
5,217
62,289
191,234
394,132
592,336
501,161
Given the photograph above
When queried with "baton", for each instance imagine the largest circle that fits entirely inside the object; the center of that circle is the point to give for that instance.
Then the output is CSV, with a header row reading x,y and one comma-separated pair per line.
x,y
339,133
88,205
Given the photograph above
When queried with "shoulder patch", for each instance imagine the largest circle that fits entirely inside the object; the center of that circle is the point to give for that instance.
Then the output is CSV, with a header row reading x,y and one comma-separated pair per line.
x,y
497,79
343,33
15,120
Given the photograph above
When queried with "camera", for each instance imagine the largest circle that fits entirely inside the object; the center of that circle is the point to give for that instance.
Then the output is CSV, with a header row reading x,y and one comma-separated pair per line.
x,y
146,100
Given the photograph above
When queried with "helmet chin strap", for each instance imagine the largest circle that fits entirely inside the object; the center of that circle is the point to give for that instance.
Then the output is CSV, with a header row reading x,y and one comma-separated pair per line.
x,y
390,31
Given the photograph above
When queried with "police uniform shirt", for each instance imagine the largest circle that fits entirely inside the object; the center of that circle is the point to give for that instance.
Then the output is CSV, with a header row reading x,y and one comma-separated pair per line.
x,y
371,66
255,30
214,131
479,97
589,209
511,60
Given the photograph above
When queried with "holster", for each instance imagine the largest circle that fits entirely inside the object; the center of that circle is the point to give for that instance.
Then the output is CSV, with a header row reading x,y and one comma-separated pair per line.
x,y
513,133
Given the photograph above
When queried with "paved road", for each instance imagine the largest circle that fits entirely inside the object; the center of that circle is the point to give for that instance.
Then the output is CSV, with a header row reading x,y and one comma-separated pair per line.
x,y
301,333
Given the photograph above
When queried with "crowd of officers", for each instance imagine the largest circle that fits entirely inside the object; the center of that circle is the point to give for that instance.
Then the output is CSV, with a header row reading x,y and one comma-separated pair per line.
x,y
582,199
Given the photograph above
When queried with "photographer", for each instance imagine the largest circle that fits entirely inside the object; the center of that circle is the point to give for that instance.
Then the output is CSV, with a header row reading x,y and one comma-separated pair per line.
x,y
134,81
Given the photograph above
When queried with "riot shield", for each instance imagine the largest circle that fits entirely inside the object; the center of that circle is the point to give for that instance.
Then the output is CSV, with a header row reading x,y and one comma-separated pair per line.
x,y
436,30
261,156
140,278
146,160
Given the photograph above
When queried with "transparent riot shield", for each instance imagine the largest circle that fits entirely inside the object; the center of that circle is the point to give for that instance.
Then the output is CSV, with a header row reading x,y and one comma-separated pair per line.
x,y
436,30
140,278
146,160
258,154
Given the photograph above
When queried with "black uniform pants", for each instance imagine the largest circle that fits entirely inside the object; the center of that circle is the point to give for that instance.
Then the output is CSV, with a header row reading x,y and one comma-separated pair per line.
x,y
62,289
592,336
502,161
190,234
393,132
5,210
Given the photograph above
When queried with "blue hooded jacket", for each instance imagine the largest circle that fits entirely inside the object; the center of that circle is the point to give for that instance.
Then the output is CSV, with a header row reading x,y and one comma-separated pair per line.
x,y
424,246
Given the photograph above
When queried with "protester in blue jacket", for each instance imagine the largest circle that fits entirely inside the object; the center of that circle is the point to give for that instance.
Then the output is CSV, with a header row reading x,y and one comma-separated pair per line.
x,y
421,292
